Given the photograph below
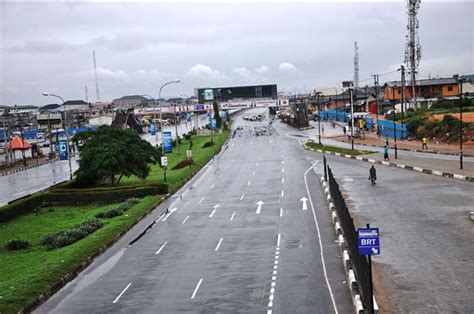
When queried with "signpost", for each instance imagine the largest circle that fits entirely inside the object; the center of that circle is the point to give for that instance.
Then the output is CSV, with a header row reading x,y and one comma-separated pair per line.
x,y
189,154
167,142
164,161
368,240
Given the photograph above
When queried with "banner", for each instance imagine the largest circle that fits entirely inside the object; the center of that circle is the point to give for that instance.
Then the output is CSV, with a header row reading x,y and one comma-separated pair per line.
x,y
152,129
213,124
167,142
188,116
62,149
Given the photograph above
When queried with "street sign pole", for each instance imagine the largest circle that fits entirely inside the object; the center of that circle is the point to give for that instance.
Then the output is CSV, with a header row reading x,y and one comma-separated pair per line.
x,y
371,302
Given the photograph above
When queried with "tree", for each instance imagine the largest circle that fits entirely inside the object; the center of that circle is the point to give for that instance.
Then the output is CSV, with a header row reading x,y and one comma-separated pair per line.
x,y
217,115
110,154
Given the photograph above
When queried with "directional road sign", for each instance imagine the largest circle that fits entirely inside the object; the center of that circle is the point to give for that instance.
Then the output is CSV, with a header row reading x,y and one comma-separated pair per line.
x,y
369,241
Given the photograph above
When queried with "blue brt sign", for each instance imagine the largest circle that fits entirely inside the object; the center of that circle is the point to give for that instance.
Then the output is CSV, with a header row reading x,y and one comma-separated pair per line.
x,y
368,240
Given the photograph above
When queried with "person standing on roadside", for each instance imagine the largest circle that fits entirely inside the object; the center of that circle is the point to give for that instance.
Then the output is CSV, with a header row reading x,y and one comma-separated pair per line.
x,y
424,144
372,174
385,153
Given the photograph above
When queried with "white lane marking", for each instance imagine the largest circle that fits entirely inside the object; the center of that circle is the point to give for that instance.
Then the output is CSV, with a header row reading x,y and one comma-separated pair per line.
x,y
197,288
282,170
282,180
282,162
278,244
256,164
281,212
321,249
21,192
218,245
232,217
253,173
227,167
232,144
185,220
169,214
121,293
161,248
242,197
282,193
248,183
214,210
200,201
212,186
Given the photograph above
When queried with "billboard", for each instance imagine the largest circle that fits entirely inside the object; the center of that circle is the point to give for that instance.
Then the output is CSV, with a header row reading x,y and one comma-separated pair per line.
x,y
62,149
208,94
167,142
213,124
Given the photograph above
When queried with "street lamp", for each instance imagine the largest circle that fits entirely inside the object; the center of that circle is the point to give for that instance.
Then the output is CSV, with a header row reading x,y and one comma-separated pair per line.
x,y
460,81
67,132
161,114
351,89
318,94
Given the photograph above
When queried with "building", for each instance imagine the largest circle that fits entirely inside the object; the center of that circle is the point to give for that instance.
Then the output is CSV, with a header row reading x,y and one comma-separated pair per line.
x,y
50,107
76,105
132,101
225,94
424,89
127,119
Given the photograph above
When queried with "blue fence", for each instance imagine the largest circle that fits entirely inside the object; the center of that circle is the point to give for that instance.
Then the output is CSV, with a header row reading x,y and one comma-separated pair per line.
x,y
32,134
386,127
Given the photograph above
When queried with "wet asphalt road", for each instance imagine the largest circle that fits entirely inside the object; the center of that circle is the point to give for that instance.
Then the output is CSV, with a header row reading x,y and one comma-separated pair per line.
x,y
219,251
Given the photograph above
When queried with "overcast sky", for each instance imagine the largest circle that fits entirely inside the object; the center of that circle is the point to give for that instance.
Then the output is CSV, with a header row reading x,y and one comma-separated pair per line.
x,y
300,47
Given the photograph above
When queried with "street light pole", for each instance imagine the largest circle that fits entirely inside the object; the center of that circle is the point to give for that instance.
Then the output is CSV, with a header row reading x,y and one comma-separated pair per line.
x,y
161,114
460,124
351,89
67,132
319,116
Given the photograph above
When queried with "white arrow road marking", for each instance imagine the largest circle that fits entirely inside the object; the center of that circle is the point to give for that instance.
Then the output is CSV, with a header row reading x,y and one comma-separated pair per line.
x,y
169,214
259,207
161,248
121,293
304,199
196,289
214,210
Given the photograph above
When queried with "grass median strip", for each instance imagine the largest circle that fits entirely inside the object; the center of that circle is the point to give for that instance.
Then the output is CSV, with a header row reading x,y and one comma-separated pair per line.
x,y
30,272
334,149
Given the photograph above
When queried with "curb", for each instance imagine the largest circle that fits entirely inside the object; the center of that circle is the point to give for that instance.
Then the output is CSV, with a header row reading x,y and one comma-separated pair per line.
x,y
396,165
416,150
351,279
27,167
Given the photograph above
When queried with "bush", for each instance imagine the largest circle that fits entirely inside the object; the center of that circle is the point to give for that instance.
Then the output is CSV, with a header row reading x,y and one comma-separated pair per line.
x,y
68,237
17,244
207,144
193,132
183,163
187,136
119,210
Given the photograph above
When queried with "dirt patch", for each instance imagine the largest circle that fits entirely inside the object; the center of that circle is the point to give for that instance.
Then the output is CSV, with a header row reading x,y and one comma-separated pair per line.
x,y
466,116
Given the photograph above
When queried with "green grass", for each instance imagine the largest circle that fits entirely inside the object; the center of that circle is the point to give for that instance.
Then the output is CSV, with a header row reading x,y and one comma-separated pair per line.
x,y
335,149
176,178
26,274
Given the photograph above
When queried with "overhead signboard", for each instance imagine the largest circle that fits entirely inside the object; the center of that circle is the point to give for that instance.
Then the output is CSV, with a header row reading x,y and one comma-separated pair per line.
x,y
208,94
368,241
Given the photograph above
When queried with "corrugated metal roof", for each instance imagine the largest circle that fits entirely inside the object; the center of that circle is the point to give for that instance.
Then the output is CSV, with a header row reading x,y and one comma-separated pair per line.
x,y
426,82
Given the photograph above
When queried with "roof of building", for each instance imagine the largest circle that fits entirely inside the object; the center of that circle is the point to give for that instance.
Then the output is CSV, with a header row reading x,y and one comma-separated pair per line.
x,y
427,82
75,103
50,107
131,97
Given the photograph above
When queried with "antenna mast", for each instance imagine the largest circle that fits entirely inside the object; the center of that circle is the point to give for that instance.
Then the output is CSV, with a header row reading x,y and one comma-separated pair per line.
x,y
356,65
87,95
413,47
96,81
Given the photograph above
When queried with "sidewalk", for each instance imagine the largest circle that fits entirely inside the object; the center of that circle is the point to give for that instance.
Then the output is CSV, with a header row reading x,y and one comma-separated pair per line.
x,y
371,139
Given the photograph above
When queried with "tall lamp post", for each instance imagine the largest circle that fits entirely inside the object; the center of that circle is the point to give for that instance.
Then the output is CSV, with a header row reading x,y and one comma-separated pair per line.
x,y
318,99
161,115
351,90
67,132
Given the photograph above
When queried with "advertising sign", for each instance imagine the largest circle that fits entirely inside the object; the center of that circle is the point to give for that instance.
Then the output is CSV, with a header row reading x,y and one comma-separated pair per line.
x,y
368,241
188,116
167,142
152,129
62,149
213,124
164,161
189,153
208,94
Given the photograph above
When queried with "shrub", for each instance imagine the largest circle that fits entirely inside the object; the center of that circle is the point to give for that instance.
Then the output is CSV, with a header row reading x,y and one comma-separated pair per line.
x,y
119,210
207,144
187,136
193,132
17,244
68,237
183,163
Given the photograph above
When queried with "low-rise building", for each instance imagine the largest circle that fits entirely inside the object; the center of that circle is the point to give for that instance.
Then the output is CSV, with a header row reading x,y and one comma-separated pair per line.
x,y
78,105
424,89
132,101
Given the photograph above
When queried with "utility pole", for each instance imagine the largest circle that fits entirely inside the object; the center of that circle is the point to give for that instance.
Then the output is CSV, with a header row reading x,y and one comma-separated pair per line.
x,y
176,129
376,83
394,123
5,147
51,154
402,68
319,116
460,124
351,89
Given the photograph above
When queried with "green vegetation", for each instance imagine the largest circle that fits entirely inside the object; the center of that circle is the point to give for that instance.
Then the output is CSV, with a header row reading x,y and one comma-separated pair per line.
x,y
25,274
17,244
335,149
107,153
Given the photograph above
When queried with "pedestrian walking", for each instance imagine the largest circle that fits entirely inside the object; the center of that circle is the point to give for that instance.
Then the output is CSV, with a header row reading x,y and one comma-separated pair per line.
x,y
385,153
372,174
386,140
424,144
344,130
322,129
